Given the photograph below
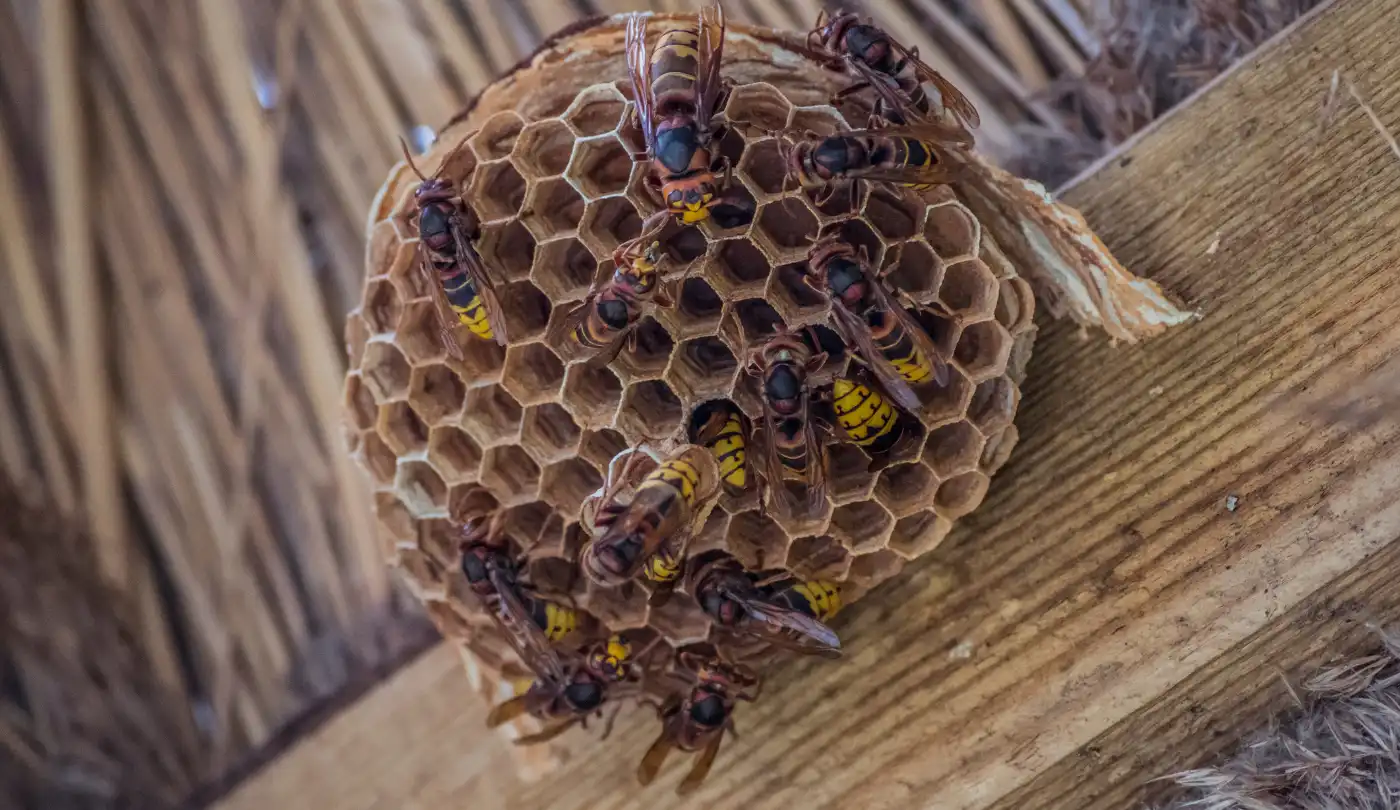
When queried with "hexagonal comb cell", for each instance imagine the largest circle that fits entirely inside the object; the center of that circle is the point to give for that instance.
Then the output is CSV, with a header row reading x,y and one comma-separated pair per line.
x,y
993,405
401,429
702,368
609,222
818,557
378,459
869,570
567,483
359,403
894,215
650,410
393,517
564,269
533,373
511,474
953,449
600,446
552,575
1015,304
787,225
386,373
968,289
756,320
848,473
591,394
525,523
741,267
453,454
959,496
507,250
497,136
756,540
465,500
543,148
697,309
437,393
711,535
918,271
382,306
762,106
948,401
680,621
492,415
862,526
983,349
600,166
437,537
906,488
420,332
952,231
686,246
553,207
792,297
526,310
648,350
858,233
481,361
618,608
425,577
763,165
597,109
498,190
998,450
420,488
549,433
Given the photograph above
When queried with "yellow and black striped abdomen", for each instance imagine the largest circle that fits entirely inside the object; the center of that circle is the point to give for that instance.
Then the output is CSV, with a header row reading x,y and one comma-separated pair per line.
x,y
662,567
678,474
730,453
556,620
897,346
914,153
463,299
817,598
674,63
868,419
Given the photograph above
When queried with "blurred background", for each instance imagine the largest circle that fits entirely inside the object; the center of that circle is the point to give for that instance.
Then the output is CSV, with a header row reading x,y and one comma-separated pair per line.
x,y
188,575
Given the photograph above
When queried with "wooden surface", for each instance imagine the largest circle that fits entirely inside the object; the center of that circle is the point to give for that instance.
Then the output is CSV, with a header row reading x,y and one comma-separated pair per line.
x,y
1127,623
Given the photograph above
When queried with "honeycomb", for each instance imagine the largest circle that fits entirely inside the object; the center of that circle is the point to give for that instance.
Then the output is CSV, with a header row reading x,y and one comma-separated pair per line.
x,y
530,429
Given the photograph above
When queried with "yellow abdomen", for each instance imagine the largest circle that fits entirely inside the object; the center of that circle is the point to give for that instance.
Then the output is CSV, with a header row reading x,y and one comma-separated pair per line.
x,y
678,474
559,621
662,567
728,449
864,414
823,597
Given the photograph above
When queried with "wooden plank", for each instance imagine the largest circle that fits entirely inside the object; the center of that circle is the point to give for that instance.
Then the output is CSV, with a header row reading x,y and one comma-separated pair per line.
x,y
1105,609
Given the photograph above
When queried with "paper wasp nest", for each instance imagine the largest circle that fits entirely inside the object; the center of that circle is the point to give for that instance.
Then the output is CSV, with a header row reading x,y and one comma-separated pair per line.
x,y
547,168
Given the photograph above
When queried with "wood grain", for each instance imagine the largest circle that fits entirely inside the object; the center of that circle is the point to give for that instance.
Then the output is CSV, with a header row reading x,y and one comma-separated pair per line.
x,y
1117,615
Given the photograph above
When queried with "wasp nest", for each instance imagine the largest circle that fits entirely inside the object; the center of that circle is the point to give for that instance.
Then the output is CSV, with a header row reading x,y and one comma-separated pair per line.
x,y
547,167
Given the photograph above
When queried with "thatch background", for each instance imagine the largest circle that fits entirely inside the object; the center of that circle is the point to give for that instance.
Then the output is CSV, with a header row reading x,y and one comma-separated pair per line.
x,y
188,558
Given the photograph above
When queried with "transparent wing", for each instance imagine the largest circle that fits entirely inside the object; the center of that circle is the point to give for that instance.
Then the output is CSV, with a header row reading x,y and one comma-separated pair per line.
x,y
527,639
655,756
446,318
857,331
701,768
915,330
953,99
711,57
639,70
481,282
816,462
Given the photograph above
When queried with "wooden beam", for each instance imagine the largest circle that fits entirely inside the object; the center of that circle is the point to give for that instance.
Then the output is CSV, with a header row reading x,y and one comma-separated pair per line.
x,y
1184,522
